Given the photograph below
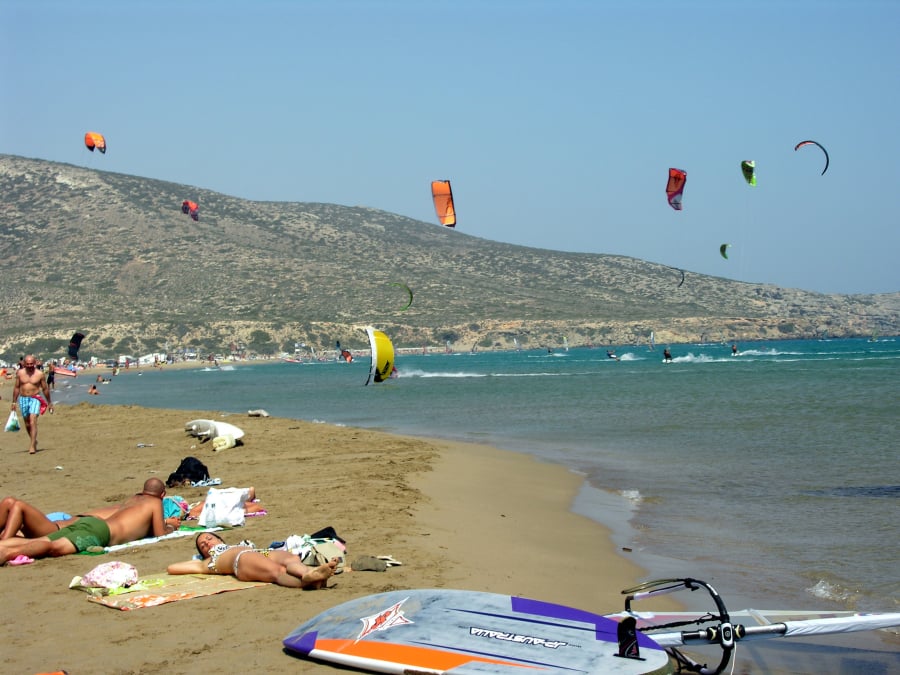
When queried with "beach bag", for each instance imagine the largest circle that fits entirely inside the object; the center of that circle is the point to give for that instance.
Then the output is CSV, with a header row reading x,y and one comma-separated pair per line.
x,y
191,470
224,507
12,424
323,550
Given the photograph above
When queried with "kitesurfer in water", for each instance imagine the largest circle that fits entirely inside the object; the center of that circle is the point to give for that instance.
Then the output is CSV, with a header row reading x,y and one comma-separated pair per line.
x,y
734,350
667,355
610,354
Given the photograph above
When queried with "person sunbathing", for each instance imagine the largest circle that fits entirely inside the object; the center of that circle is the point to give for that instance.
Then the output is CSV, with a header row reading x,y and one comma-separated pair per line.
x,y
87,532
18,517
246,563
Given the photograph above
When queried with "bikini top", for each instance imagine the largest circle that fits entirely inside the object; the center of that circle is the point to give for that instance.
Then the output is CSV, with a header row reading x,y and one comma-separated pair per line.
x,y
214,554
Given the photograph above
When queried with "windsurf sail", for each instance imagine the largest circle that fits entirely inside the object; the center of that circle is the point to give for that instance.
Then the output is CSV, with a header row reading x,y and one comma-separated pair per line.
x,y
748,168
94,141
75,345
652,341
717,627
382,365
442,195
675,187
802,144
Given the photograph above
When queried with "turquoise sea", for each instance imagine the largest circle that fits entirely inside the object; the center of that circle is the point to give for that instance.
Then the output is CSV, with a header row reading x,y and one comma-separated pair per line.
x,y
773,475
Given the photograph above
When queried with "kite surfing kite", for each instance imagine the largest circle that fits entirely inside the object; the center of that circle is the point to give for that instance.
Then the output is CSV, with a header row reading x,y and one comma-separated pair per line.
x,y
723,250
675,187
682,276
443,202
94,140
804,143
382,365
748,168
75,345
408,291
191,208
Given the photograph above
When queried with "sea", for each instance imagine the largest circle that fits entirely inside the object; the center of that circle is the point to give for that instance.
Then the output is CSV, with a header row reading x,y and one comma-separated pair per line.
x,y
772,474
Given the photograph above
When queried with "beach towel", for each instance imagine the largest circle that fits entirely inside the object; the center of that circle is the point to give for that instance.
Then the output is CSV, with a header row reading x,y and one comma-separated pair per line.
x,y
159,589
182,532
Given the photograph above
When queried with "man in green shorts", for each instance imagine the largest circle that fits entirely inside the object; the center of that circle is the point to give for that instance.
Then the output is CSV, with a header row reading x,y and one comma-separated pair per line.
x,y
141,518
82,534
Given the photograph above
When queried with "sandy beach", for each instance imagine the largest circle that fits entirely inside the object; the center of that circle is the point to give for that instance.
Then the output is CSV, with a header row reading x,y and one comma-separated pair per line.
x,y
456,515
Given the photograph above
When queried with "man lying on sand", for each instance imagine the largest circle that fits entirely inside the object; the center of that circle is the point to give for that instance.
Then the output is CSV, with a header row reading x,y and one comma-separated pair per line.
x,y
249,564
18,516
142,517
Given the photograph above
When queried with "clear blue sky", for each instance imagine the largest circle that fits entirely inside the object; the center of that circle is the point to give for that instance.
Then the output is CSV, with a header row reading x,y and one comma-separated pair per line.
x,y
556,121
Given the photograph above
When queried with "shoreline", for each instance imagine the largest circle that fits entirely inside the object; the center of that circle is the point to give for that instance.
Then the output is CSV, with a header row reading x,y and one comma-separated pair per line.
x,y
456,515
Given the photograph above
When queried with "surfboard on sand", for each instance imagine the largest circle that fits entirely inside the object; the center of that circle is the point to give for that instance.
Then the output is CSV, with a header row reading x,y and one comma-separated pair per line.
x,y
467,632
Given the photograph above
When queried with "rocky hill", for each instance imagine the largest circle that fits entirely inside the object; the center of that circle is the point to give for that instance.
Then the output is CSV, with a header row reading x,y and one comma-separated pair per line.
x,y
112,255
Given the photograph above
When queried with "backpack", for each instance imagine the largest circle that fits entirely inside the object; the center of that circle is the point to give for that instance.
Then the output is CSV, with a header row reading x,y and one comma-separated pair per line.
x,y
191,470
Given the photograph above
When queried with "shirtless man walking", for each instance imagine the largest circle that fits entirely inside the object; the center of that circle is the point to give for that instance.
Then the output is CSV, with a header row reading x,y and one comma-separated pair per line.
x,y
29,382
143,517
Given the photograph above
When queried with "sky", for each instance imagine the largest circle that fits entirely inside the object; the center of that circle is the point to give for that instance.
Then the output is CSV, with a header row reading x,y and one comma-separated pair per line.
x,y
556,122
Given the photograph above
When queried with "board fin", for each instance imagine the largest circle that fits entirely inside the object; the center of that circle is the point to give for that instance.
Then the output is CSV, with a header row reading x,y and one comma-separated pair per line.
x,y
627,638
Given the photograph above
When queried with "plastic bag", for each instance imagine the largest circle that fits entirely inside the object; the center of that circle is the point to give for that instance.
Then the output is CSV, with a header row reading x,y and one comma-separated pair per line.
x,y
224,507
12,424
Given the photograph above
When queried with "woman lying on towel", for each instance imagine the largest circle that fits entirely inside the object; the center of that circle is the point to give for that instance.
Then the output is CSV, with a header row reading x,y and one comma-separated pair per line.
x,y
250,564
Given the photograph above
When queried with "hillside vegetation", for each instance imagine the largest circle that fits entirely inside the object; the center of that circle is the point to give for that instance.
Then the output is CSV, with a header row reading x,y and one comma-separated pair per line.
x,y
113,256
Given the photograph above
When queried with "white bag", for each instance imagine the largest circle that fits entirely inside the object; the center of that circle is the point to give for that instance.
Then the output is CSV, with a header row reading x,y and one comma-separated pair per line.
x,y
224,507
12,424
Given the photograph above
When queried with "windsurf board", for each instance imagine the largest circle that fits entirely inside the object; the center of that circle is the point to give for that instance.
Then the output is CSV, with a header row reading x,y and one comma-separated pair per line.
x,y
458,632
200,427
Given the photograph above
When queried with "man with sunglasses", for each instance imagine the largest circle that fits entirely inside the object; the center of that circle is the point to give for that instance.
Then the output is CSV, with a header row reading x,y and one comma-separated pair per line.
x,y
30,381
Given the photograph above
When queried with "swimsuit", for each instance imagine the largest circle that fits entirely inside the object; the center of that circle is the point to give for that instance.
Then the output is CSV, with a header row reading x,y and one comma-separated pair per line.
x,y
29,405
238,557
219,549
84,533
214,554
